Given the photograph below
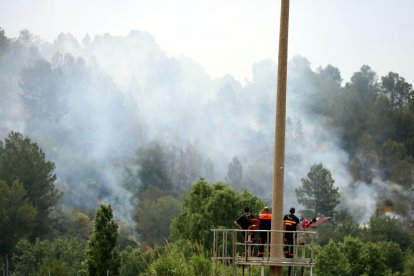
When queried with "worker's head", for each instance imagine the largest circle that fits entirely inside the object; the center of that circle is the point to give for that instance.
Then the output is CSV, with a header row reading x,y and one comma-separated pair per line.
x,y
292,210
246,209
266,209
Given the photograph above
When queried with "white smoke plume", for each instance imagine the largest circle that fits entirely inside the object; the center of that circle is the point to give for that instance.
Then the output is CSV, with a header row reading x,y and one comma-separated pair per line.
x,y
123,92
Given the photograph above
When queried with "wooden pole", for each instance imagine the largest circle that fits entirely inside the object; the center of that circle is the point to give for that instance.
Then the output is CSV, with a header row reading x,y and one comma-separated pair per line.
x,y
279,154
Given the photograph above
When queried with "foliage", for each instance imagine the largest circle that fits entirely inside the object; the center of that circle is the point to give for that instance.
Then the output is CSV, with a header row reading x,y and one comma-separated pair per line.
x,y
367,107
30,258
17,215
409,265
393,256
101,253
210,205
73,223
397,90
374,260
330,258
171,263
355,257
134,261
126,236
373,116
390,154
344,226
23,160
44,94
182,258
55,267
383,228
153,168
153,218
403,173
352,248
317,192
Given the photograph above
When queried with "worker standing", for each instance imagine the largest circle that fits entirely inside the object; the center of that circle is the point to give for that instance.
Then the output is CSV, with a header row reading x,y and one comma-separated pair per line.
x,y
265,218
290,223
248,221
244,221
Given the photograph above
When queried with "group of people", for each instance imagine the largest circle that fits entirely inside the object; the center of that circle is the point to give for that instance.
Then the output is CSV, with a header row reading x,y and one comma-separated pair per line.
x,y
247,221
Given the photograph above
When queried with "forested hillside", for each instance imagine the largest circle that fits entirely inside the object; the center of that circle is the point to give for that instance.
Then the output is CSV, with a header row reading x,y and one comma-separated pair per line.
x,y
114,120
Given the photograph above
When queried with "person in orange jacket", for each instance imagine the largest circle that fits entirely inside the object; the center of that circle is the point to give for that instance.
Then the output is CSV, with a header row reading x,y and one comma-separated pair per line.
x,y
265,218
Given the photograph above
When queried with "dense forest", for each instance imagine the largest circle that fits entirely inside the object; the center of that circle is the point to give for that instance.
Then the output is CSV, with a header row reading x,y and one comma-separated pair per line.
x,y
115,158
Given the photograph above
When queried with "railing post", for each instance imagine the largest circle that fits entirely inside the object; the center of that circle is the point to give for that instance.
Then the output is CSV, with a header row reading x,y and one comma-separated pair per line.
x,y
234,252
223,255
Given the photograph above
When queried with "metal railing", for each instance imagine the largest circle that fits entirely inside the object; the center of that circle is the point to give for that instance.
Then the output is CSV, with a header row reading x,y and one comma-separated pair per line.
x,y
234,247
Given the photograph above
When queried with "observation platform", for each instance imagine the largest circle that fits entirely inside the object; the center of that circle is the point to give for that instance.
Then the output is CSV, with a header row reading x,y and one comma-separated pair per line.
x,y
239,249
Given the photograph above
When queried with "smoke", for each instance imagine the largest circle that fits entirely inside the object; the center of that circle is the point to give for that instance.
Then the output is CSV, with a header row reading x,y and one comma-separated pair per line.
x,y
115,94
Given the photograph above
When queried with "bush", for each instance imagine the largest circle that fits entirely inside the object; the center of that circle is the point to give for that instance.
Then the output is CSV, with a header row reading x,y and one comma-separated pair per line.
x,y
409,265
181,258
54,267
134,262
201,265
172,263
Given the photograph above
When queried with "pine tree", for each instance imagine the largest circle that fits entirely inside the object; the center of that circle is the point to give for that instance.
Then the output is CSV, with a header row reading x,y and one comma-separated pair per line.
x,y
317,192
24,161
102,255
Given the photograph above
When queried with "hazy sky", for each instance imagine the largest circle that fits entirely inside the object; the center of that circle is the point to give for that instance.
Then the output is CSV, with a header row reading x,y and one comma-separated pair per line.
x,y
228,36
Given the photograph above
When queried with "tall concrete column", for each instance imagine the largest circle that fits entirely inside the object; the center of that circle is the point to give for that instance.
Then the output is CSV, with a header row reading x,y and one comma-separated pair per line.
x,y
279,155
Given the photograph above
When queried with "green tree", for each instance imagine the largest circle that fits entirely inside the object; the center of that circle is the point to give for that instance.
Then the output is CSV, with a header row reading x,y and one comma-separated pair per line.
x,y
317,192
172,264
101,253
17,215
153,218
328,82
409,265
153,168
134,261
374,260
54,267
44,94
390,155
352,248
330,259
352,107
345,226
393,255
181,258
210,205
23,160
73,223
403,173
397,90
356,257
367,159
31,258
383,228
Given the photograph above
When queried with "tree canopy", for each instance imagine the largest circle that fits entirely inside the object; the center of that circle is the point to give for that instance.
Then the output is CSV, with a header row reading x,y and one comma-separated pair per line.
x,y
101,254
211,205
317,192
24,161
17,215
